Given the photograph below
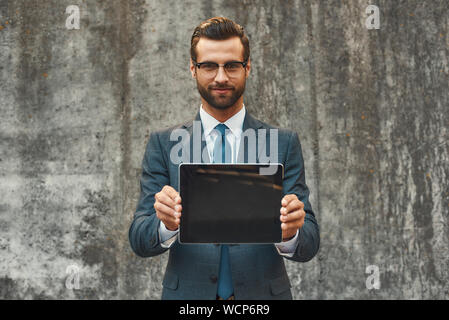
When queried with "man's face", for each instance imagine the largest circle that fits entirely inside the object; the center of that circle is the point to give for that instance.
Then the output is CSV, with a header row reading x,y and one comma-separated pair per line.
x,y
221,52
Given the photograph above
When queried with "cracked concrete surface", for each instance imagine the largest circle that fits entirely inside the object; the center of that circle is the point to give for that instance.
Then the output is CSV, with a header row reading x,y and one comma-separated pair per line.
x,y
370,106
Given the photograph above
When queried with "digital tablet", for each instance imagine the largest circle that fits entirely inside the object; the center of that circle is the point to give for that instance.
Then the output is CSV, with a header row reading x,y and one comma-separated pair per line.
x,y
230,203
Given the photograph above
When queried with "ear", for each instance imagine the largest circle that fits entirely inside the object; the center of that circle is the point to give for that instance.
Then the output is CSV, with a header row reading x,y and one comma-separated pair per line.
x,y
192,69
248,68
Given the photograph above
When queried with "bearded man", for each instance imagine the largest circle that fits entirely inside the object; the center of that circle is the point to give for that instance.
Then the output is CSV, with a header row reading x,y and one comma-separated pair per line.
x,y
220,62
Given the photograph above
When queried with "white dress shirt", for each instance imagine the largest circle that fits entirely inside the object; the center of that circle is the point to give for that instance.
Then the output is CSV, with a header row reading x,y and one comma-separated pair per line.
x,y
235,125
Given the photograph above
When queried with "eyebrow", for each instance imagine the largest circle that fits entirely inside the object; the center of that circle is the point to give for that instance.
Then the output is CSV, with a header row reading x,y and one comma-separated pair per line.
x,y
209,61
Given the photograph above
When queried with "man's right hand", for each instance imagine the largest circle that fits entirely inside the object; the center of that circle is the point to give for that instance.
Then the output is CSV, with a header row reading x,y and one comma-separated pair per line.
x,y
168,207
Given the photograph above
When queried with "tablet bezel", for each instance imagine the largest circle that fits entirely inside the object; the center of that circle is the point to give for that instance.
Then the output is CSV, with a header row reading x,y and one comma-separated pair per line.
x,y
228,164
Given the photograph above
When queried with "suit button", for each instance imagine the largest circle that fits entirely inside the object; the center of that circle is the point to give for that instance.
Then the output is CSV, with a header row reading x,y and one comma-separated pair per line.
x,y
213,279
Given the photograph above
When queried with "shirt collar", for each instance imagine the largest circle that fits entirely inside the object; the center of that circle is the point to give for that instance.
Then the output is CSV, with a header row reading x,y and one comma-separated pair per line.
x,y
235,123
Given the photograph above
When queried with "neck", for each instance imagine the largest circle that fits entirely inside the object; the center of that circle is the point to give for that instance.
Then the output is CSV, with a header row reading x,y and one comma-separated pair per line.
x,y
223,114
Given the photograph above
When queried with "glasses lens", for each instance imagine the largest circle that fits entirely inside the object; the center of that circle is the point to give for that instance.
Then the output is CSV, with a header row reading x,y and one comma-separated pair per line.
x,y
233,66
233,69
209,67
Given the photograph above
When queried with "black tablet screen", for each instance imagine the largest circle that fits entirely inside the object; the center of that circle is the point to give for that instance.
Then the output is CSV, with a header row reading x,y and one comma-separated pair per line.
x,y
230,203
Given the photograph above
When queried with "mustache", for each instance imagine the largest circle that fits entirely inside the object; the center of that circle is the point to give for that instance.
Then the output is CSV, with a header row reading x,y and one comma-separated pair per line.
x,y
220,87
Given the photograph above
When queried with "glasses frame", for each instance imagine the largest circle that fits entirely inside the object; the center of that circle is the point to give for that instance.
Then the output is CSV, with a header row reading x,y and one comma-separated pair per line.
x,y
199,64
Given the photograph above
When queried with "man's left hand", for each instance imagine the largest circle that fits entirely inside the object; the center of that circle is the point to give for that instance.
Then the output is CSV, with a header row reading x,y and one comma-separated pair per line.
x,y
292,216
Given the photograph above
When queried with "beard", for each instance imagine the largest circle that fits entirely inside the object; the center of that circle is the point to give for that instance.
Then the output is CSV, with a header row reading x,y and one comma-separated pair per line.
x,y
221,102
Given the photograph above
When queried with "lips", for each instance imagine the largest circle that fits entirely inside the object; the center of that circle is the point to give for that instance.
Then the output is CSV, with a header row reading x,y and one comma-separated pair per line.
x,y
222,90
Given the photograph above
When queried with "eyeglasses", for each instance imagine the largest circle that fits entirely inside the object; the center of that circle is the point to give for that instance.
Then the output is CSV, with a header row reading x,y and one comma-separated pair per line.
x,y
210,69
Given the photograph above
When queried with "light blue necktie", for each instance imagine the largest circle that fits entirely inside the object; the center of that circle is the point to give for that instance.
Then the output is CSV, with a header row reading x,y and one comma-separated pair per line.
x,y
225,289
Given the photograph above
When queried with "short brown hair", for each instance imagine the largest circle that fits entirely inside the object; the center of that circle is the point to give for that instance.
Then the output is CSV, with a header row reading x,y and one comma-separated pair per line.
x,y
219,28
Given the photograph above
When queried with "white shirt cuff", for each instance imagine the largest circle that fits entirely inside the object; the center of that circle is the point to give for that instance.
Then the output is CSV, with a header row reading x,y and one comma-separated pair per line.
x,y
167,237
288,248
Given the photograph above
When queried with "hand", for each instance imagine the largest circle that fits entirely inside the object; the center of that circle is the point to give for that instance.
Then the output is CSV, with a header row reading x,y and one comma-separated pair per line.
x,y
168,207
292,216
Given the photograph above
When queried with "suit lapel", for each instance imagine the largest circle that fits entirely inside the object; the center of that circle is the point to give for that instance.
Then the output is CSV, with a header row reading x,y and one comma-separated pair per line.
x,y
250,123
195,129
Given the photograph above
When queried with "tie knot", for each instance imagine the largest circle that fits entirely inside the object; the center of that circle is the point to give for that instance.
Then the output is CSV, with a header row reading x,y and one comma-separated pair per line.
x,y
221,127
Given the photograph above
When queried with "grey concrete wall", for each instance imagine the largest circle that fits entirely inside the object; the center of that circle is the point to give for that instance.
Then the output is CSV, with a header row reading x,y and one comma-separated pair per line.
x,y
370,106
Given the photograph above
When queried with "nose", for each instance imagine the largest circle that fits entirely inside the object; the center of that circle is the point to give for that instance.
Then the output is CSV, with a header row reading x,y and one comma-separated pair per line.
x,y
221,75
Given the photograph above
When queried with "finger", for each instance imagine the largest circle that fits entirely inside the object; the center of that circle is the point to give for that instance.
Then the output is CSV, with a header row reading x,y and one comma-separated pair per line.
x,y
294,205
283,211
166,218
292,216
292,225
165,199
284,226
287,198
171,192
162,208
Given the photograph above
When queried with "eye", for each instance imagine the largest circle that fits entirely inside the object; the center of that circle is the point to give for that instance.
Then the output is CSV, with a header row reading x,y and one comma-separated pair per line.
x,y
209,66
233,66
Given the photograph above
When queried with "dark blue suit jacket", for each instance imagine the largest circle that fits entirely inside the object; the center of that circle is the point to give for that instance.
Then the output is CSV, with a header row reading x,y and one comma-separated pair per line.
x,y
258,271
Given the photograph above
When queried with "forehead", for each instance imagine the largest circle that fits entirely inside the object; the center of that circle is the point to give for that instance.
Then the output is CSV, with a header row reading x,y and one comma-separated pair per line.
x,y
219,50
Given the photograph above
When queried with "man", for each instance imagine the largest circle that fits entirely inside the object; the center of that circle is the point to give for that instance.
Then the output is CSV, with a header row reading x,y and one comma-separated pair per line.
x,y
220,63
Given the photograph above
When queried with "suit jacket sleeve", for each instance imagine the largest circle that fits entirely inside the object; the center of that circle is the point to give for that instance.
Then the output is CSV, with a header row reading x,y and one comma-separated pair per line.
x,y
143,232
295,183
